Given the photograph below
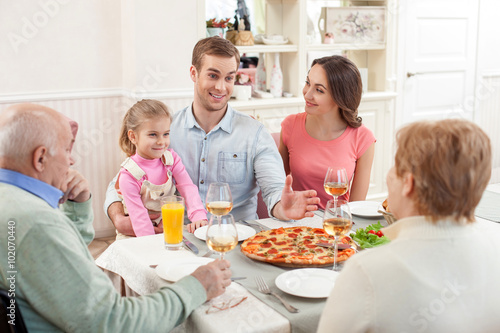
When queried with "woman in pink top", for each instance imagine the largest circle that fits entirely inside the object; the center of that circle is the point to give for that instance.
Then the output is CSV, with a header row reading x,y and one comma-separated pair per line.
x,y
153,171
329,132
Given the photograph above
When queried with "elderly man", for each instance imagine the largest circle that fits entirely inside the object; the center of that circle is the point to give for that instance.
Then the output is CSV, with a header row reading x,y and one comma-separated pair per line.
x,y
218,144
57,285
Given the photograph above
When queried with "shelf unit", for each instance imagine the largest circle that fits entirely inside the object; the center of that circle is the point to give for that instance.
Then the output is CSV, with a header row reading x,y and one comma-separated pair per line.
x,y
290,19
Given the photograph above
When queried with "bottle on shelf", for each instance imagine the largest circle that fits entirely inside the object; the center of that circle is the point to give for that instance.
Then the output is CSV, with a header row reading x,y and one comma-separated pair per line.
x,y
260,75
276,77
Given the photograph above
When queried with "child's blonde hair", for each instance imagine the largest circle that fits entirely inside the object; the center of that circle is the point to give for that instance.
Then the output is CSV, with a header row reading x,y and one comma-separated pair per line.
x,y
140,112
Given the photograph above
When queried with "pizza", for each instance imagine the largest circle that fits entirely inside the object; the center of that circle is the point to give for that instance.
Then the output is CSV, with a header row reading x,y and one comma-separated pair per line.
x,y
295,247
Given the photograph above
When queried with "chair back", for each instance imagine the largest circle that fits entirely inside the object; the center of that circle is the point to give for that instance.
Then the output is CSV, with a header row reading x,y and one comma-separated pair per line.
x,y
10,314
261,206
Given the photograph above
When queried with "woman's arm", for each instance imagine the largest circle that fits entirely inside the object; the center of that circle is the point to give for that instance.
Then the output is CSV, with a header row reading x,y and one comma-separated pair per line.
x,y
284,154
361,181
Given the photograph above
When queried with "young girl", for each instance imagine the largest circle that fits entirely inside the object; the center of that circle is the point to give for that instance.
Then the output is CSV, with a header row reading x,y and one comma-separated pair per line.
x,y
153,171
329,132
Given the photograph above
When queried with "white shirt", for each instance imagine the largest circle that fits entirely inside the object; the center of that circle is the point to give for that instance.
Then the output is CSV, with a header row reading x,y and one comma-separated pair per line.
x,y
440,277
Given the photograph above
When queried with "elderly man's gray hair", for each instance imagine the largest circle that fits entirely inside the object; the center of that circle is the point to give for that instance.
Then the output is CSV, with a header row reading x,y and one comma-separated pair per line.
x,y
26,131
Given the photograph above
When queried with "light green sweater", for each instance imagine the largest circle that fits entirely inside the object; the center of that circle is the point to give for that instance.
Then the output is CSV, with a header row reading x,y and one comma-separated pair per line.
x,y
59,287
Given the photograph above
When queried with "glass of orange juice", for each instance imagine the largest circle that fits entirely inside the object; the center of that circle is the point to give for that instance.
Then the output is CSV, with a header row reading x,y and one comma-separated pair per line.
x,y
172,212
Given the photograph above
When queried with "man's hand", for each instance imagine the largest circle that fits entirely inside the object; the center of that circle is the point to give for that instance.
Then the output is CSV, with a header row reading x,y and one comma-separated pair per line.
x,y
214,277
191,227
77,188
121,221
295,204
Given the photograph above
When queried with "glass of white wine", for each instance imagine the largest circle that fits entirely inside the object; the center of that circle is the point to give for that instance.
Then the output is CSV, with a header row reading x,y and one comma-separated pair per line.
x,y
219,200
222,235
336,182
337,222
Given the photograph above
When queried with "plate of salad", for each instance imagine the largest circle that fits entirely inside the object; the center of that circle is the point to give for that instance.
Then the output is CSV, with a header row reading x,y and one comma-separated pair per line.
x,y
370,236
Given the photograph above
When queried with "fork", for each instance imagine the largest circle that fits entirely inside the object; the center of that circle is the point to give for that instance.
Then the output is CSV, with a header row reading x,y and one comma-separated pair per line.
x,y
263,288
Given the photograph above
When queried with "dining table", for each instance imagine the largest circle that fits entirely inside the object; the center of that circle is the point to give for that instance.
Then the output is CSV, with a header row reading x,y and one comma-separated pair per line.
x,y
131,266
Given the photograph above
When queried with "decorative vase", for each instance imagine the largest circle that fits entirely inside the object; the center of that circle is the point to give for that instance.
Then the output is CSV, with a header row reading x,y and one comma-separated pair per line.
x,y
244,38
215,32
276,77
260,75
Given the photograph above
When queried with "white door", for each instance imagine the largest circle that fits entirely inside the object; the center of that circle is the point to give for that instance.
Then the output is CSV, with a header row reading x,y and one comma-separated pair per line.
x,y
439,51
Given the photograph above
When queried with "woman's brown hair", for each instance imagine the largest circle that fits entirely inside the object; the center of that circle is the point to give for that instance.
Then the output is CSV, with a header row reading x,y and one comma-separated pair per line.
x,y
345,86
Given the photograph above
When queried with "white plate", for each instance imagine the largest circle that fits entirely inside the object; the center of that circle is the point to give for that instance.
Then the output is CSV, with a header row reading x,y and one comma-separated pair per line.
x,y
307,282
175,269
243,232
365,208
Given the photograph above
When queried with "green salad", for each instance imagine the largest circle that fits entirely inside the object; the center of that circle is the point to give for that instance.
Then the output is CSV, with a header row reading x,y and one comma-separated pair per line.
x,y
370,236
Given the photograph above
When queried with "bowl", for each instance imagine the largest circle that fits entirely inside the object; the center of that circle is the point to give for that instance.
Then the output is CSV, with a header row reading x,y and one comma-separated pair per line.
x,y
274,40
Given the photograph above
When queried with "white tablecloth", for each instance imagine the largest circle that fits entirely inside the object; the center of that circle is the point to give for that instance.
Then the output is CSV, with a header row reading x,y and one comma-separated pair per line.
x,y
130,259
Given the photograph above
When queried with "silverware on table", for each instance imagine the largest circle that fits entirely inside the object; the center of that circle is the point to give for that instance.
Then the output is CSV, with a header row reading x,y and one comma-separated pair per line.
x,y
236,278
251,224
208,254
340,246
190,245
263,288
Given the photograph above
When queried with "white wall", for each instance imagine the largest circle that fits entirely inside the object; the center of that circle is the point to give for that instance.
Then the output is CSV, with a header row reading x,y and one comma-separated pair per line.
x,y
487,92
55,45
81,56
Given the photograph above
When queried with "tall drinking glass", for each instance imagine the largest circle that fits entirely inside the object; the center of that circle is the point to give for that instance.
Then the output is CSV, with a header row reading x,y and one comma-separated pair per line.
x,y
336,182
337,222
222,235
219,200
172,212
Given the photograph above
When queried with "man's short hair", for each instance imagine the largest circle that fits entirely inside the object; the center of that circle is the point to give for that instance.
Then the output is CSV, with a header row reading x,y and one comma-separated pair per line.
x,y
26,131
451,164
214,46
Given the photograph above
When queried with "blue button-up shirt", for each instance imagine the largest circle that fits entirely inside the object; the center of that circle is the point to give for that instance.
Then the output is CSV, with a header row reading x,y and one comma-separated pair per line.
x,y
238,151
41,189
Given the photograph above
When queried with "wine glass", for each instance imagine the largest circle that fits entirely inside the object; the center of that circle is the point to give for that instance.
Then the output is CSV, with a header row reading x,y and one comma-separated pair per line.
x,y
337,222
219,200
336,182
222,235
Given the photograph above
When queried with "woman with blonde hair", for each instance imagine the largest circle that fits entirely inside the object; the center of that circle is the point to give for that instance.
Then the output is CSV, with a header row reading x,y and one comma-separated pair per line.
x,y
440,272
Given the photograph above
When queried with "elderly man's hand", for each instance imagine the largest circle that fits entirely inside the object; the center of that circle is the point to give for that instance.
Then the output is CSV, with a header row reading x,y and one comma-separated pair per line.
x,y
214,277
77,188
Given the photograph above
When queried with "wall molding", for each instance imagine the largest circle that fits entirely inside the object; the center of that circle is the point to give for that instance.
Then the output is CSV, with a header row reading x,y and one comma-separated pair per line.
x,y
490,74
94,93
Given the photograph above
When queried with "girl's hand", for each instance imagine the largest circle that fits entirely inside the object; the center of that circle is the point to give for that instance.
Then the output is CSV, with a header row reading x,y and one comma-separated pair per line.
x,y
195,225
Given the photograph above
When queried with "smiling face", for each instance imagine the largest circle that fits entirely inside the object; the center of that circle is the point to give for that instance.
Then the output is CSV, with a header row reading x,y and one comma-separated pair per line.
x,y
317,92
152,137
214,82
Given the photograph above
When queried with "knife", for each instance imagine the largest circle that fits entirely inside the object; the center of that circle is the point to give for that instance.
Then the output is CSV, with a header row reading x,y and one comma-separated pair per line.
x,y
340,246
190,245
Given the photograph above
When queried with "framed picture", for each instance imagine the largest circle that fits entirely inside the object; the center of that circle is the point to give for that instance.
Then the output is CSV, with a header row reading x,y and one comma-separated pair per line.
x,y
356,25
